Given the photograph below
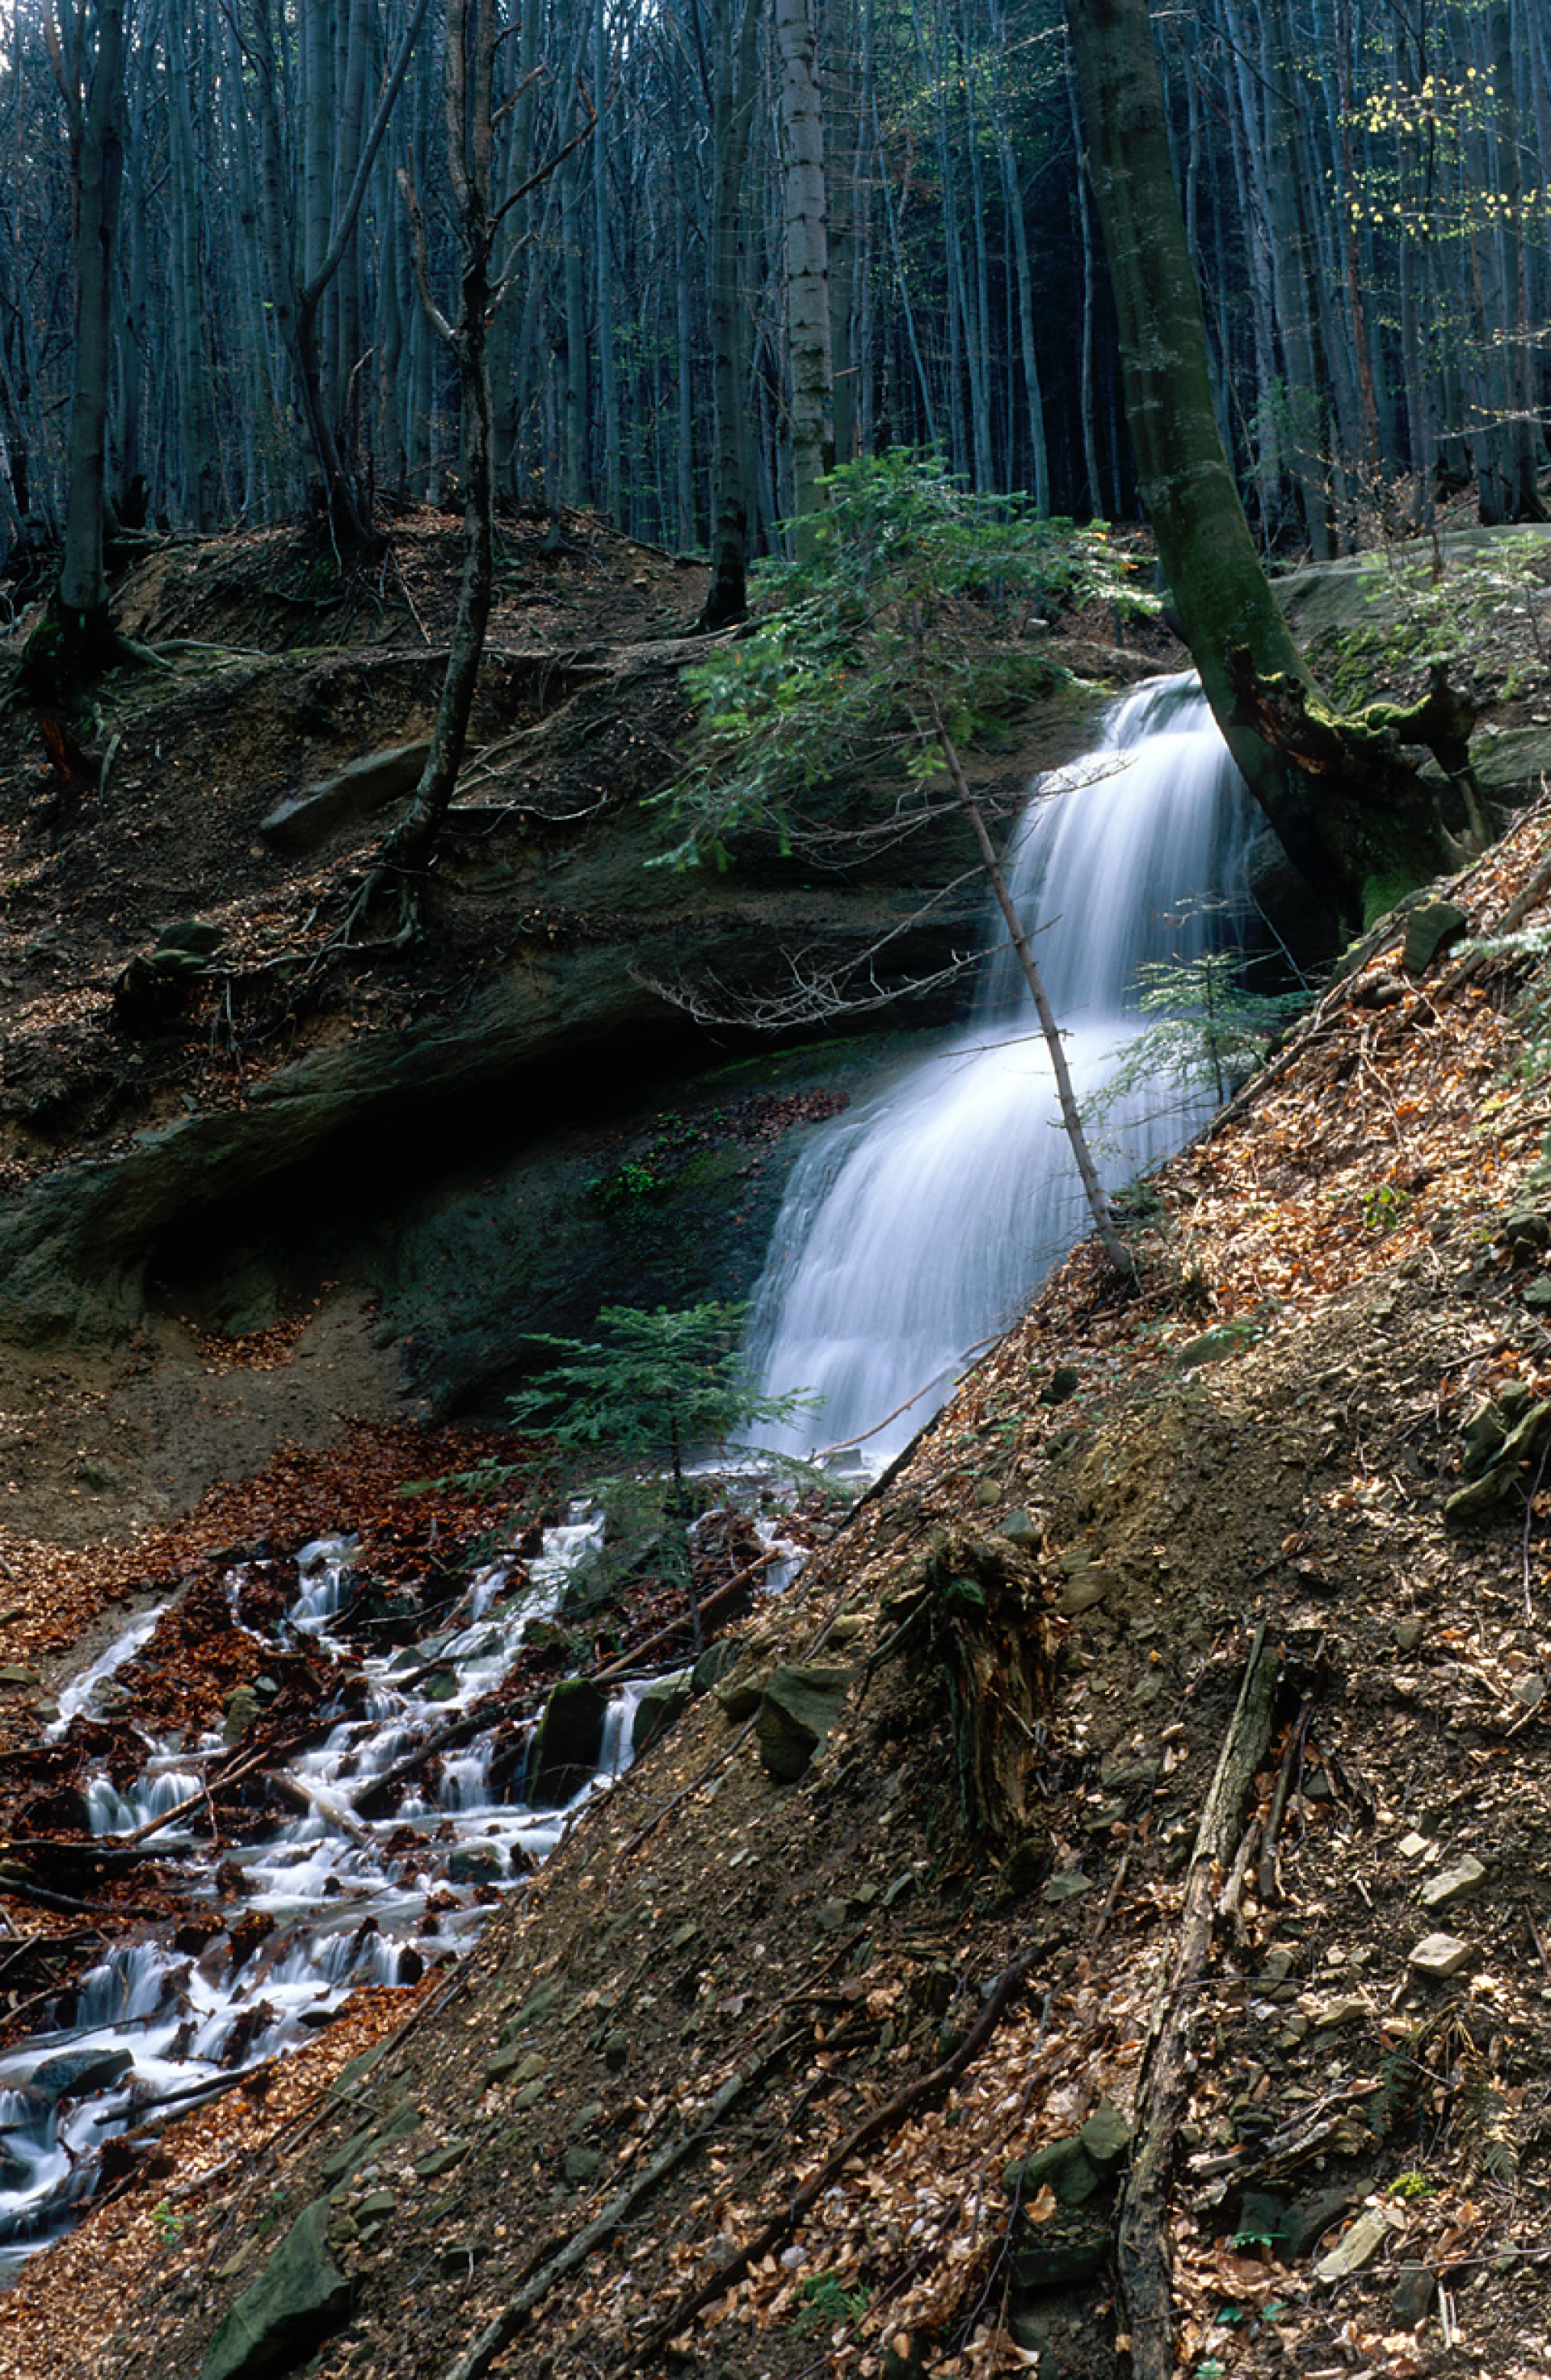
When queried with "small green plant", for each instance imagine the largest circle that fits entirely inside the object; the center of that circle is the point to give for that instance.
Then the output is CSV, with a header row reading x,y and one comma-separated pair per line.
x,y
657,1385
1385,1208
1412,2185
1207,1031
168,2222
827,2303
627,1187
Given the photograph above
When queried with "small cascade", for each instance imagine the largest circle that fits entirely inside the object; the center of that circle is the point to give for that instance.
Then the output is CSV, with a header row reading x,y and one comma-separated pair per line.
x,y
345,1897
82,1692
917,1226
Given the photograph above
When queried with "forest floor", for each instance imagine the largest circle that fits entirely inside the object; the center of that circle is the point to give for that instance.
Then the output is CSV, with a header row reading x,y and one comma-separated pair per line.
x,y
735,2085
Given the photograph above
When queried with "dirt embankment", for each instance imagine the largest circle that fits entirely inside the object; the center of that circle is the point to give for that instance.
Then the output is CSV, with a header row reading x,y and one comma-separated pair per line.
x,y
776,2075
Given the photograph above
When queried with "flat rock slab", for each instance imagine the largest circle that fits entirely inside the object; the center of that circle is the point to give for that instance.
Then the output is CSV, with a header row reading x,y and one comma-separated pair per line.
x,y
367,784
298,2298
1466,1876
1440,1956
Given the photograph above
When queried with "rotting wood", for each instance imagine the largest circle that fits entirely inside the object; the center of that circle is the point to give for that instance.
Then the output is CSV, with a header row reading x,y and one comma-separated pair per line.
x,y
882,2119
1143,2243
476,2359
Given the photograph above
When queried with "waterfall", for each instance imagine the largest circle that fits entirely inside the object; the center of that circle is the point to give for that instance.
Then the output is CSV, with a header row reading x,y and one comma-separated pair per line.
x,y
917,1224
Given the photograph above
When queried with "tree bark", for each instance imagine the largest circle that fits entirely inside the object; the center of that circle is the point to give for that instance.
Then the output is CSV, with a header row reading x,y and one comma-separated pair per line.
x,y
97,158
807,230
1360,834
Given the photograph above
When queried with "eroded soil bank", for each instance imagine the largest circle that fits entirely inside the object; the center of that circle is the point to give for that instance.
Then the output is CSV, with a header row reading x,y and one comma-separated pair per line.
x,y
749,2079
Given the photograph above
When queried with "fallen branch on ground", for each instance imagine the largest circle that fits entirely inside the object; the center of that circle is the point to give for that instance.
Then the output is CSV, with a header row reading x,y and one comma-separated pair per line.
x,y
1147,2283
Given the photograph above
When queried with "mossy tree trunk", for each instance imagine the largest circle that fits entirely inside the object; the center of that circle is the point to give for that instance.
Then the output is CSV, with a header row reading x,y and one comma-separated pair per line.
x,y
1350,812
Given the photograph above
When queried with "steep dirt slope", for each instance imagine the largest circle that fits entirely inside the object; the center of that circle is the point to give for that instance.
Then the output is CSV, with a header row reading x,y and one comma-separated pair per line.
x,y
741,2086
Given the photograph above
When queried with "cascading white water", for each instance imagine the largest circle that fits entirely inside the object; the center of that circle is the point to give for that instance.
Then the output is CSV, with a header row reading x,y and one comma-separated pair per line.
x,y
917,1224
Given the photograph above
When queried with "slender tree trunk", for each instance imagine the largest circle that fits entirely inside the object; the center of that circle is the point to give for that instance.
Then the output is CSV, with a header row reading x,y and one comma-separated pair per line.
x,y
97,163
732,107
806,272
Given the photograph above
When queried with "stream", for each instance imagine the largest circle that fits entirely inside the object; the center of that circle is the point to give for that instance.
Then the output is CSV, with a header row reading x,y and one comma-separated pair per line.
x,y
911,1229
917,1226
284,1928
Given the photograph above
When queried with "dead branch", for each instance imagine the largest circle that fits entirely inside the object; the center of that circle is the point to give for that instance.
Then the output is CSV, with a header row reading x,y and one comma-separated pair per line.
x,y
786,2218
1143,2243
478,2359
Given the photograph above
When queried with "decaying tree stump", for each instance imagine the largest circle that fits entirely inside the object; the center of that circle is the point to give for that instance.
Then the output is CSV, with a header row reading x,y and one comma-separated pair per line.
x,y
992,1623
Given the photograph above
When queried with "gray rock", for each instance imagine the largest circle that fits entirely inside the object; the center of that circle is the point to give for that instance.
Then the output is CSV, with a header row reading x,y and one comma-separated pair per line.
x,y
80,2073
1063,2166
797,1710
1086,1589
298,2298
441,2161
476,1862
1454,1883
570,1741
367,784
713,1666
581,2165
1213,1346
1413,2295
1106,2138
1440,1956
740,1698
660,1707
1429,929
243,1706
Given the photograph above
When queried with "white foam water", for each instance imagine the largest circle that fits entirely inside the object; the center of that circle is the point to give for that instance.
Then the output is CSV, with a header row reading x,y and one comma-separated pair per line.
x,y
918,1225
345,1899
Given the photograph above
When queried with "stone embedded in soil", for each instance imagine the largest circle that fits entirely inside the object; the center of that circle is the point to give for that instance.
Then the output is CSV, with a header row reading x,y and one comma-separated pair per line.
x,y
1428,929
1081,1593
441,2161
298,2298
1440,1956
1071,2247
308,819
1107,2137
1064,2168
1066,1888
1529,1690
661,1706
797,1710
1413,2295
1467,1877
1358,2246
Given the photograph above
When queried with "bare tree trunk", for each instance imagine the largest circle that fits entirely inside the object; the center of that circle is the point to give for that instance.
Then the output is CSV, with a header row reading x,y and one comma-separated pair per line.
x,y
807,275
732,110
